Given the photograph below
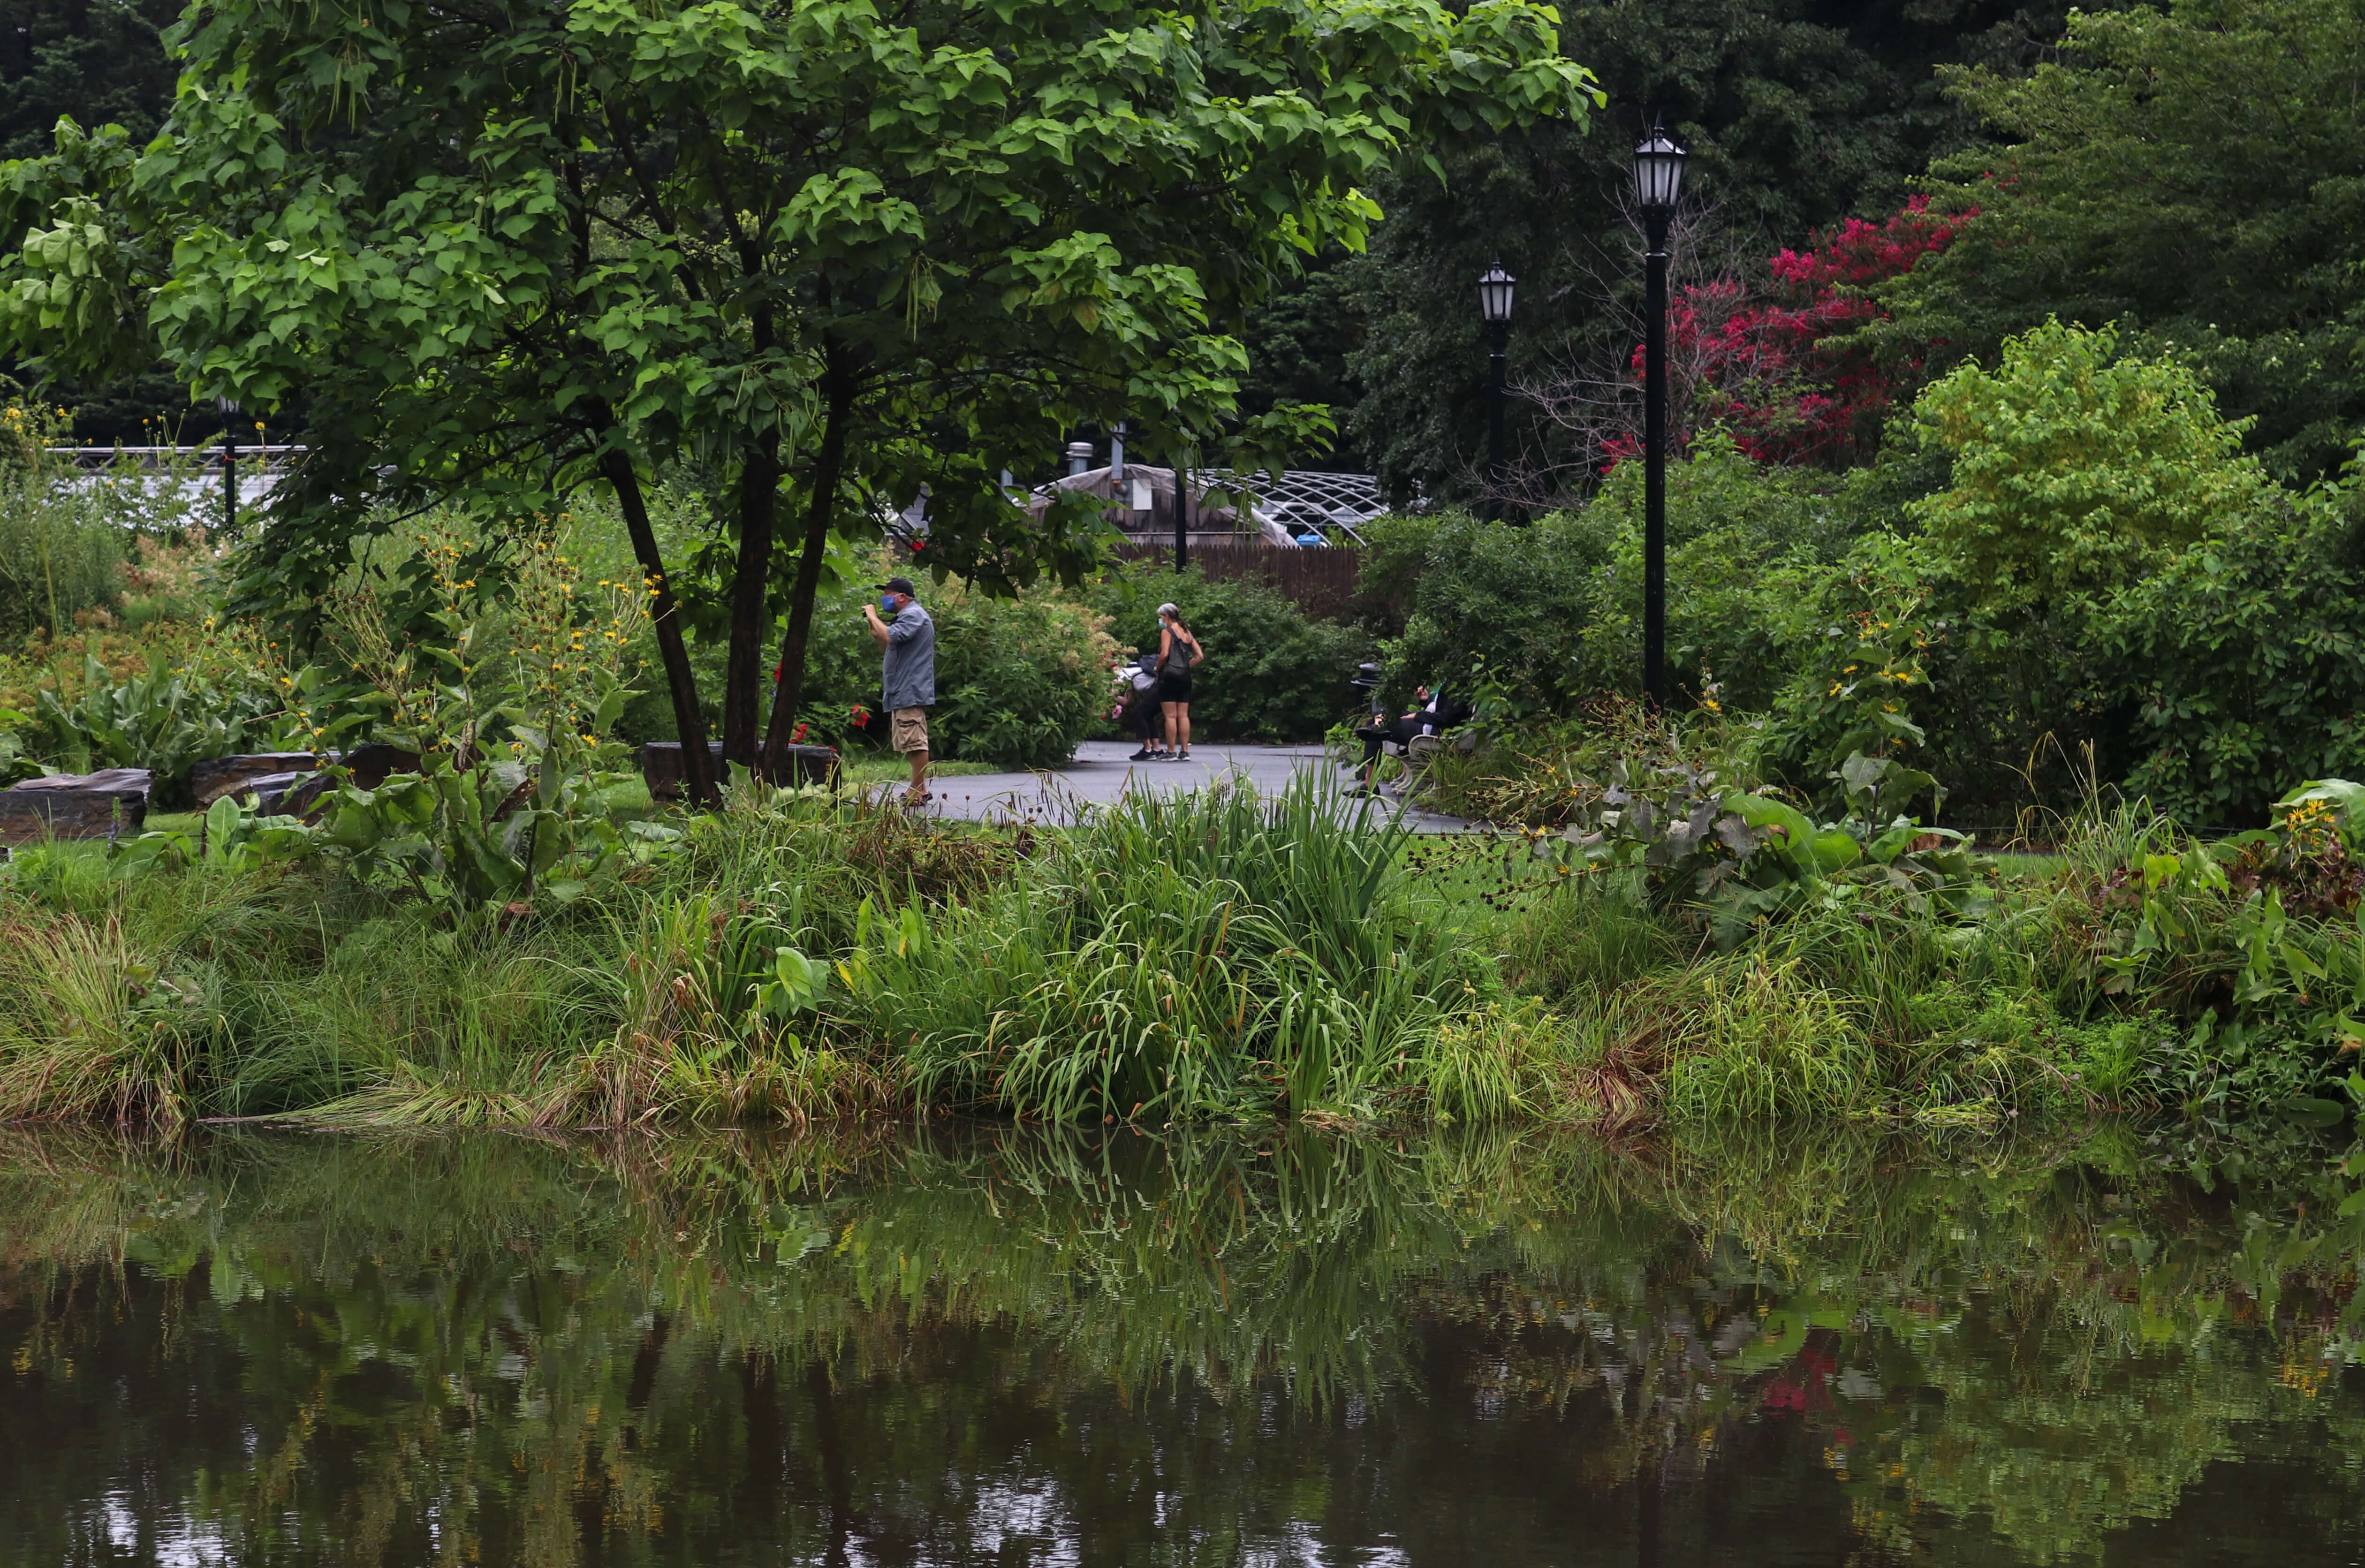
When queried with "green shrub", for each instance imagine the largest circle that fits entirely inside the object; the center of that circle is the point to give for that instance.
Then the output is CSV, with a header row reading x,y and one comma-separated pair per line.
x,y
1529,600
1860,674
1555,608
1273,672
1022,681
2075,467
2242,665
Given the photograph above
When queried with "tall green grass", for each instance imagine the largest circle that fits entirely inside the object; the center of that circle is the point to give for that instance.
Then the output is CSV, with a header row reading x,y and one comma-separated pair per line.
x,y
66,535
1205,954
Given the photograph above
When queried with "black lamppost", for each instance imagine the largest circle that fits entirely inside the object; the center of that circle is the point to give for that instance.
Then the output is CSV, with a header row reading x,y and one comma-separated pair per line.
x,y
1658,180
1495,287
230,470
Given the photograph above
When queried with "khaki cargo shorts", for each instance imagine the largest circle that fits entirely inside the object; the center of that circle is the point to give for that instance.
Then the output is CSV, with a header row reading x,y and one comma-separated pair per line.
x,y
910,729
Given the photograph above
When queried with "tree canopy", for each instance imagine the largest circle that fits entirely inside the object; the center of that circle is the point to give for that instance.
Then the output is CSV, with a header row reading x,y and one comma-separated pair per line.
x,y
829,251
2196,173
1799,114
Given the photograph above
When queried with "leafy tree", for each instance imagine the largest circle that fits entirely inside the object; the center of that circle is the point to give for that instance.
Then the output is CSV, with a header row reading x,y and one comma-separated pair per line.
x,y
2195,172
100,61
828,251
1771,366
1300,343
2076,468
1768,369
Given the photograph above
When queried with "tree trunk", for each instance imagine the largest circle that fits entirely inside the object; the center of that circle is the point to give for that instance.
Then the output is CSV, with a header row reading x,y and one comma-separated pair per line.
x,y
697,767
829,466
760,485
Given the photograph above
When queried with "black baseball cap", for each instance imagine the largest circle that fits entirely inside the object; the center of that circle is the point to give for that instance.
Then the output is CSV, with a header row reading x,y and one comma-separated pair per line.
x,y
899,584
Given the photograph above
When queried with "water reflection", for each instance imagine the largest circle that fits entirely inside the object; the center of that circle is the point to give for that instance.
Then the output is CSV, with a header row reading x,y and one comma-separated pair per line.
x,y
989,1347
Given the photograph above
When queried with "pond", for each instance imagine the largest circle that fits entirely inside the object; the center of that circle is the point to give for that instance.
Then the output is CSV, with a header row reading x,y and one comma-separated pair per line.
x,y
983,1345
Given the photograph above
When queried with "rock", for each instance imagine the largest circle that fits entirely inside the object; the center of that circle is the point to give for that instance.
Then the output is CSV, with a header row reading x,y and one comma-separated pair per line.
x,y
209,781
661,766
110,803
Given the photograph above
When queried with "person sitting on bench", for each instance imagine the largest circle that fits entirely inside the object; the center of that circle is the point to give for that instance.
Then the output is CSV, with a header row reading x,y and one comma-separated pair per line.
x,y
1436,712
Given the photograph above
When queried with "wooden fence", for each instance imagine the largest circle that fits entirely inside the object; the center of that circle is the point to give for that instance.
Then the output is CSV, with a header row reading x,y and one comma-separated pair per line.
x,y
1326,582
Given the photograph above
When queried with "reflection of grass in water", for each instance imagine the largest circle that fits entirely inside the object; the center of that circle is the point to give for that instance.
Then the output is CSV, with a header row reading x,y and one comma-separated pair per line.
x,y
2061,1294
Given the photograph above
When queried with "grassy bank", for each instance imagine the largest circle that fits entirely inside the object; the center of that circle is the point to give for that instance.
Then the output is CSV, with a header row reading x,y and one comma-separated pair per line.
x,y
1217,956
794,955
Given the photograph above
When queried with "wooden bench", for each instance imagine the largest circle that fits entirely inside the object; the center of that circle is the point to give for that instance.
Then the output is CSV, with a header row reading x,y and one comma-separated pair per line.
x,y
661,765
110,803
210,781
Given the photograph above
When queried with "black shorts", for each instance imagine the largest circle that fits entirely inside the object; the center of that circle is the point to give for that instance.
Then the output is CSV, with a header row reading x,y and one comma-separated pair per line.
x,y
1174,688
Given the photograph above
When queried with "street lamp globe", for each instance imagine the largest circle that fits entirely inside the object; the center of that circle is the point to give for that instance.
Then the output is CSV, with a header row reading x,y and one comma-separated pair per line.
x,y
1495,287
1658,172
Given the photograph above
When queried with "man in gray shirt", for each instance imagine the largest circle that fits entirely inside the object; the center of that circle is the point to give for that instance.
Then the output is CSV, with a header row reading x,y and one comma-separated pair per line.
x,y
908,674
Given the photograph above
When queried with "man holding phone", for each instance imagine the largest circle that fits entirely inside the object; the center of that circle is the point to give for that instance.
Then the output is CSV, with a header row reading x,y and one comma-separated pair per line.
x,y
907,674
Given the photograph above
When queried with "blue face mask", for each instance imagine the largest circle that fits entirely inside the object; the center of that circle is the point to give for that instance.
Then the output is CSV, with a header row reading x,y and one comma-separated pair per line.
x,y
887,602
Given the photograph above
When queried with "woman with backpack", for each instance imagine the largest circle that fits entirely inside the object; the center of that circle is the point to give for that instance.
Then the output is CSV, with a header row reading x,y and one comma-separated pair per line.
x,y
1178,653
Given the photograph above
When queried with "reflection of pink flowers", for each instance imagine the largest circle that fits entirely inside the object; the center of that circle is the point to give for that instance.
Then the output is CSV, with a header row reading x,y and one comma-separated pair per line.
x,y
1801,1385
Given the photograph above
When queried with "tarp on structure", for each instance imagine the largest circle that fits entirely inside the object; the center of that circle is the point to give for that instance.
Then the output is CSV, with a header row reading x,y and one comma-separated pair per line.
x,y
1208,516
1279,508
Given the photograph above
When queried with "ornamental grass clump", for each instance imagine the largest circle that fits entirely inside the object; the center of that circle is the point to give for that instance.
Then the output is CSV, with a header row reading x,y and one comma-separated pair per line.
x,y
1213,954
93,1028
718,1008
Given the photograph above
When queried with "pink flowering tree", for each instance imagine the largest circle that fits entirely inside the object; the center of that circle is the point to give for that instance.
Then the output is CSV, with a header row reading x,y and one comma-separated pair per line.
x,y
1781,375
1781,369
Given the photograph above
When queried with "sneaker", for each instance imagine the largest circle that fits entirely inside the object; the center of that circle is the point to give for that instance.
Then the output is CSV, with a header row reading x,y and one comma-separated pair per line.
x,y
1144,754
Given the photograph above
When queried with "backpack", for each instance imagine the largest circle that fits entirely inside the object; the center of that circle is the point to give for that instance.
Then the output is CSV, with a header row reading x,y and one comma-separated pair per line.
x,y
1178,657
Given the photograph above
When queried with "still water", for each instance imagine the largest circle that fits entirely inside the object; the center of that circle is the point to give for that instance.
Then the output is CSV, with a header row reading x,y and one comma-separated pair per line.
x,y
983,1346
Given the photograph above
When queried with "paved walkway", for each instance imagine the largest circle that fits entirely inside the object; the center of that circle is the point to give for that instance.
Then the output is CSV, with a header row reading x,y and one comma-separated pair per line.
x,y
1101,775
